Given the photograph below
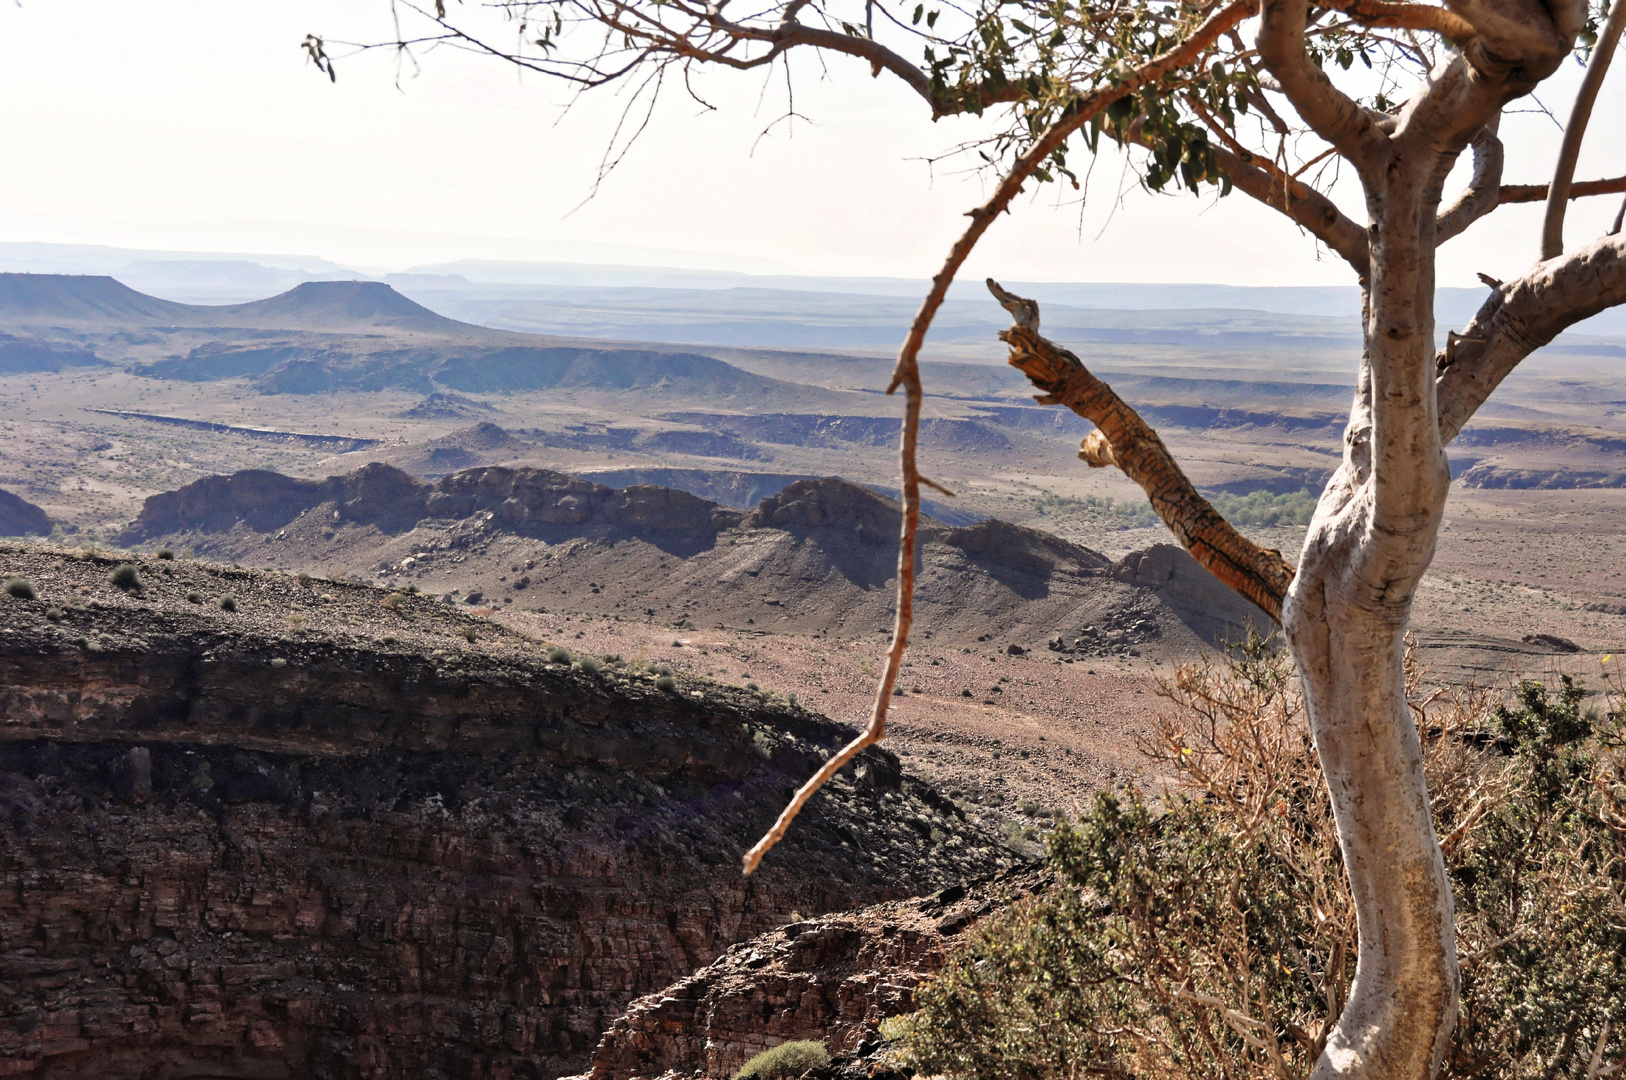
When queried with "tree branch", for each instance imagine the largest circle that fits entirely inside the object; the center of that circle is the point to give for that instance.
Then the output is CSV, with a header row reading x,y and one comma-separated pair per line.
x,y
1520,317
1330,114
1123,439
1399,16
1576,130
1552,226
1523,193
1306,206
1484,192
907,374
1512,34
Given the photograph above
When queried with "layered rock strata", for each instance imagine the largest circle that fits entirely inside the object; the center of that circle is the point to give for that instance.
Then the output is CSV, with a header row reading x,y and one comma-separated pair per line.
x,y
337,832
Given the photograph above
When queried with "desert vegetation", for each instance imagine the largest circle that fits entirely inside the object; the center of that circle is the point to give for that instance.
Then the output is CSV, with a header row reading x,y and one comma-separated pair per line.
x,y
1208,930
785,1061
1180,83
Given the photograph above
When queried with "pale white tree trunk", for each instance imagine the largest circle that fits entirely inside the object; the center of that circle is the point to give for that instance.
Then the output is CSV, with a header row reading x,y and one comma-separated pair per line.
x,y
1345,619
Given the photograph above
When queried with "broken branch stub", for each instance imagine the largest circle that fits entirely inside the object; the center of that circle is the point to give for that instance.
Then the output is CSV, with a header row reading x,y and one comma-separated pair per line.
x,y
1123,439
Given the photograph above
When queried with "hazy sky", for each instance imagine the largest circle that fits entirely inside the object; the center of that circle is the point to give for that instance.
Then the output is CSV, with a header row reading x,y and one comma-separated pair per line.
x,y
198,125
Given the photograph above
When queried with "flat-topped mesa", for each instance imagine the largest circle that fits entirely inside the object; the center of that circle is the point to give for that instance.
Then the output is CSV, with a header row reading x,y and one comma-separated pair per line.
x,y
337,831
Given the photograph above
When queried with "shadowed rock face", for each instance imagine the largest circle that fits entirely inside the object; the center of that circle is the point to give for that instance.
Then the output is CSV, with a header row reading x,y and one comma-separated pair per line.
x,y
536,501
366,847
831,503
19,517
1200,600
818,556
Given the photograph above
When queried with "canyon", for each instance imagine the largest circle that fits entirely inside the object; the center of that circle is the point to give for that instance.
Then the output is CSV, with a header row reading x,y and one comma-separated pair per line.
x,y
262,825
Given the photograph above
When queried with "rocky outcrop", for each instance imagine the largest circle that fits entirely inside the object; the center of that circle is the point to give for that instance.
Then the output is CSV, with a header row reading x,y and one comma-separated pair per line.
x,y
19,517
532,501
1200,600
819,556
833,979
830,503
25,355
342,833
1496,474
1020,547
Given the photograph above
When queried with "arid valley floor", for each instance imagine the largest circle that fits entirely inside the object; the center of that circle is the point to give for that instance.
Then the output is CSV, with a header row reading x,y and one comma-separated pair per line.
x,y
1535,541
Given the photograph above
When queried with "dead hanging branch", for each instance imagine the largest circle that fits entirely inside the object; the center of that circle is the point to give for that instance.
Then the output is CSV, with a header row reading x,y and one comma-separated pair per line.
x,y
1123,439
906,374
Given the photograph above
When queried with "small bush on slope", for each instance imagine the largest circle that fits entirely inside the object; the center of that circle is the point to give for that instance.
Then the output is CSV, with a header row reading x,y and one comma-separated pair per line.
x,y
785,1061
1217,940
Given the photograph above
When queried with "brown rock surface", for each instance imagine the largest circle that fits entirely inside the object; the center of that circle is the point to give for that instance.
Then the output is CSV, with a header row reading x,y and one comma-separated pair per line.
x,y
818,557
19,517
833,979
327,834
528,501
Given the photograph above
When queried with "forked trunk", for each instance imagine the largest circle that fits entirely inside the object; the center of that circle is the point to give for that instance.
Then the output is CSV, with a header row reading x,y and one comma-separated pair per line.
x,y
1345,619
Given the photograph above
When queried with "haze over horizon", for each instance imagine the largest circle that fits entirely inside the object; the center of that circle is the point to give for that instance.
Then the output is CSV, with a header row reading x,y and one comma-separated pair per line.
x,y
233,143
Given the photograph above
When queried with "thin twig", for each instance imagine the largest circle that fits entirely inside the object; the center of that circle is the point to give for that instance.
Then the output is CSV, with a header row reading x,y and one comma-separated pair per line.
x,y
907,374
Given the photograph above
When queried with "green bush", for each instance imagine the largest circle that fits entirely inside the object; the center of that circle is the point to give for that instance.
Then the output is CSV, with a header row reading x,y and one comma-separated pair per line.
x,y
125,576
589,664
54,613
1263,508
227,602
785,1061
165,554
1104,512
20,587
194,597
1217,938
666,683
559,656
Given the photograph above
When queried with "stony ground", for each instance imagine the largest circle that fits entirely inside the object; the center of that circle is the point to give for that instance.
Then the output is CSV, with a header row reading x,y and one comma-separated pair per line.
x,y
1035,738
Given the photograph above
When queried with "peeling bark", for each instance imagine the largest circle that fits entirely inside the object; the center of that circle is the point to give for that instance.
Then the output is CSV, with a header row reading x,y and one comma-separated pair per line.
x,y
1125,440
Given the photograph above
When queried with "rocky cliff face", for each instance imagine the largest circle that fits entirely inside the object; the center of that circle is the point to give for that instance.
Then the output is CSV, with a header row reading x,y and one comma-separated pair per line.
x,y
833,979
342,833
19,517
532,501
819,556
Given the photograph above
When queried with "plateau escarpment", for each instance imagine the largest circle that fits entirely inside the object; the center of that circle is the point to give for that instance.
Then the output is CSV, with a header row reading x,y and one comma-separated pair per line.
x,y
319,829
820,557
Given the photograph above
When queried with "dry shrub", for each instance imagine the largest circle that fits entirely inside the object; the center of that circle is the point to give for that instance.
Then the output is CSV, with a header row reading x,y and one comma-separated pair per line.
x,y
1213,936
785,1061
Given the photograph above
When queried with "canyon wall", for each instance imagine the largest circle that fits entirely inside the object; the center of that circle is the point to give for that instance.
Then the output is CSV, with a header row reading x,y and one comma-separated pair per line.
x,y
339,833
832,979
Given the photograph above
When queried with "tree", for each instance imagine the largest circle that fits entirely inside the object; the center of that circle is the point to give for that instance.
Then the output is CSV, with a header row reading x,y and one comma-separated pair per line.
x,y
1177,79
